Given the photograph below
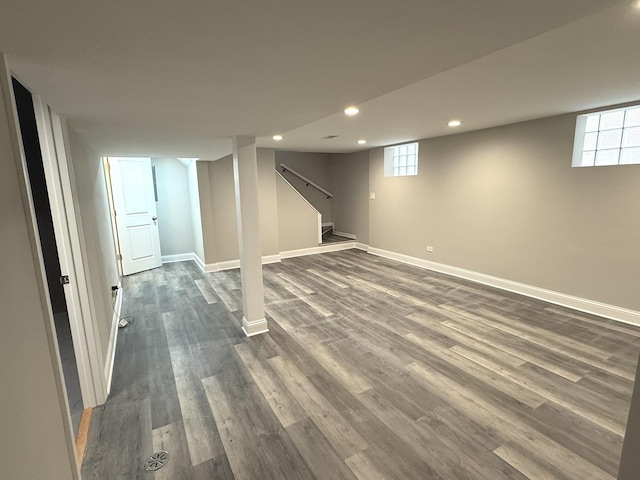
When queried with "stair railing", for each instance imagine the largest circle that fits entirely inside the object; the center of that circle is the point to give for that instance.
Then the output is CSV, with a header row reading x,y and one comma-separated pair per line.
x,y
310,183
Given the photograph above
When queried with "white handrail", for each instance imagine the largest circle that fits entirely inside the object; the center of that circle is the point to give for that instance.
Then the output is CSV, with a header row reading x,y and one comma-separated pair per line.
x,y
287,168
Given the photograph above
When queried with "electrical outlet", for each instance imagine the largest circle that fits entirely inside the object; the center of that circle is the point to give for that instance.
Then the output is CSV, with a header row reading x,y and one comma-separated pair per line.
x,y
429,248
372,196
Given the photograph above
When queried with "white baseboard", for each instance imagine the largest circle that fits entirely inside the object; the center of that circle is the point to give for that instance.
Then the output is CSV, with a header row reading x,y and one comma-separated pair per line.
x,y
199,263
113,337
362,246
227,265
327,224
266,259
346,235
255,327
180,257
330,247
577,303
231,264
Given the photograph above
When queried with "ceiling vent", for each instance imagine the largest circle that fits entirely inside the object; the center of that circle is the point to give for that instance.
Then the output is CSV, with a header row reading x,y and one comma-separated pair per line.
x,y
329,137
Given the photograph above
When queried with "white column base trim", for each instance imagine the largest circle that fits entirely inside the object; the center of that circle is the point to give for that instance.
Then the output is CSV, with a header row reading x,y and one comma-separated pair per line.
x,y
612,312
180,257
255,327
343,234
113,337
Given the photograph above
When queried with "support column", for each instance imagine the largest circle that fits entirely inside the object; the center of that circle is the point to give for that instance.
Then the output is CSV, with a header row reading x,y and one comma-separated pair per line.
x,y
245,178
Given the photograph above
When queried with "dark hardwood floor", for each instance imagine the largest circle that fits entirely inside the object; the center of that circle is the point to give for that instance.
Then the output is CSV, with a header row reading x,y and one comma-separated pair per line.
x,y
371,370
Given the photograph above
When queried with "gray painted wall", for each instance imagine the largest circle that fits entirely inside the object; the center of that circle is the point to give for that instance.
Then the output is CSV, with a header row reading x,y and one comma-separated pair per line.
x,y
316,167
96,235
218,207
223,209
173,207
33,412
350,180
269,232
209,246
297,220
506,202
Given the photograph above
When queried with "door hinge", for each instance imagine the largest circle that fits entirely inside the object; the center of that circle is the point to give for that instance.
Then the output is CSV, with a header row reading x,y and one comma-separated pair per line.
x,y
119,257
64,279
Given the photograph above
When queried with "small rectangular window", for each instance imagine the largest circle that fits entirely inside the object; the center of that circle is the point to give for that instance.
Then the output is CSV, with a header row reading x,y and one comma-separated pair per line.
x,y
607,138
401,160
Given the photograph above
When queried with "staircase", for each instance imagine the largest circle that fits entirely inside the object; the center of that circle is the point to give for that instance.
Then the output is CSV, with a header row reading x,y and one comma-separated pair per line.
x,y
329,237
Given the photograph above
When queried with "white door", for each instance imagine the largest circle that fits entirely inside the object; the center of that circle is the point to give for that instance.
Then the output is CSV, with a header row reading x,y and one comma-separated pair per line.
x,y
56,168
135,210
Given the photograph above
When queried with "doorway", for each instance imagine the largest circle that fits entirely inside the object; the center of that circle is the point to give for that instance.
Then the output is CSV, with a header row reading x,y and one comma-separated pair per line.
x,y
134,197
44,219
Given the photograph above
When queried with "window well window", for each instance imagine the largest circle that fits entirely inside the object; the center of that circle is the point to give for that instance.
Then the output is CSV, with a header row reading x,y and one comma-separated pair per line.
x,y
607,138
401,160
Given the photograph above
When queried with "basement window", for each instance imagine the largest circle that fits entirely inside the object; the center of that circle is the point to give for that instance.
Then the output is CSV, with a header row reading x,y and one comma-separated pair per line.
x,y
606,138
401,160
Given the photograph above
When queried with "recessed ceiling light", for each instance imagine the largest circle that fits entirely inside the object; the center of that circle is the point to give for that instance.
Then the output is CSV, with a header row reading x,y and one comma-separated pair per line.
x,y
351,111
454,123
277,138
361,141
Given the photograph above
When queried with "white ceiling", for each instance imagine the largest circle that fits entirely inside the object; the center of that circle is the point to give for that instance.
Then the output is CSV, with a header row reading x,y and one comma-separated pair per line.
x,y
166,78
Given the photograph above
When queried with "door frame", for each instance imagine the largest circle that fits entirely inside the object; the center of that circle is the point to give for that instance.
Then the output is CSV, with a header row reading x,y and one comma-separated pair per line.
x,y
55,159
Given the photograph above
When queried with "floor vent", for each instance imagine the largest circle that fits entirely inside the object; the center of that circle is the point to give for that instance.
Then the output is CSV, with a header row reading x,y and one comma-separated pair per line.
x,y
156,461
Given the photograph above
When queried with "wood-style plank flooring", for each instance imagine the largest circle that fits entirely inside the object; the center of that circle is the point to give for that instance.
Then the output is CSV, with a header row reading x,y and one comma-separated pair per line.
x,y
371,370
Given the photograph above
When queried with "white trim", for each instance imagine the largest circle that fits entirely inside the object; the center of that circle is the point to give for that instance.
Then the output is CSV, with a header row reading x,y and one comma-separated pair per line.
x,y
271,259
362,246
343,234
227,265
255,327
210,267
328,224
319,227
179,257
266,259
199,263
577,303
231,264
94,345
331,247
113,337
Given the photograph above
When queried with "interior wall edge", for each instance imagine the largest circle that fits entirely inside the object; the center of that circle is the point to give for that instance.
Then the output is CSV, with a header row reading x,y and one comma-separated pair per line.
x,y
113,338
